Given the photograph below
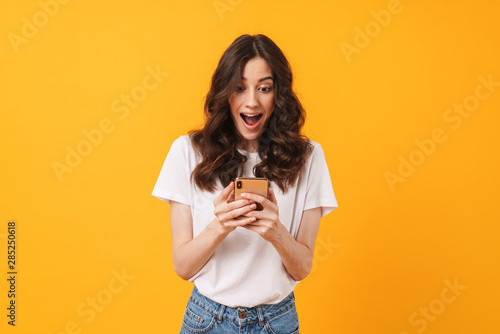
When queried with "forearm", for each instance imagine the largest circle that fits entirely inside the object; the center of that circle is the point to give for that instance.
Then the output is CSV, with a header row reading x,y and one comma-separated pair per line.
x,y
296,257
191,256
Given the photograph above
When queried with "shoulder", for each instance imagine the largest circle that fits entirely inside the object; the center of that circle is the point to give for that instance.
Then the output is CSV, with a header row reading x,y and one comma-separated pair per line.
x,y
316,149
182,144
183,140
315,145
183,149
316,156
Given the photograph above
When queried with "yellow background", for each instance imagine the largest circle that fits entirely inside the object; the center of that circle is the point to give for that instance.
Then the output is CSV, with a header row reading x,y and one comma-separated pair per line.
x,y
384,257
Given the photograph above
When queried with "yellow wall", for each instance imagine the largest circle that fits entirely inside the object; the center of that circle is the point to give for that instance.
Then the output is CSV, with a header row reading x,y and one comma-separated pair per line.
x,y
413,247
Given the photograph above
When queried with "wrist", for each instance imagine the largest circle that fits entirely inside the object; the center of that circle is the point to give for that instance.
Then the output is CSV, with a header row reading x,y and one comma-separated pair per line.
x,y
218,228
282,236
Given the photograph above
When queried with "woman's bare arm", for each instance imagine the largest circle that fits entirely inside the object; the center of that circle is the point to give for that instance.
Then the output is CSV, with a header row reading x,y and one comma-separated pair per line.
x,y
297,254
191,254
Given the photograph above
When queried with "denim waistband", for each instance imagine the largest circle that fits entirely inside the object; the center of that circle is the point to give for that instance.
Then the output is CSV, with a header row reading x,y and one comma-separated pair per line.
x,y
260,313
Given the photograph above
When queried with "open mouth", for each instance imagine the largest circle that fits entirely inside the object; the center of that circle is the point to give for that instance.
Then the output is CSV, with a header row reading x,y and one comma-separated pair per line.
x,y
251,119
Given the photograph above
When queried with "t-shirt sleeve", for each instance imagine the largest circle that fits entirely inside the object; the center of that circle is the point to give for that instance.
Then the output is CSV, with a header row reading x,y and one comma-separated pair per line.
x,y
173,183
319,185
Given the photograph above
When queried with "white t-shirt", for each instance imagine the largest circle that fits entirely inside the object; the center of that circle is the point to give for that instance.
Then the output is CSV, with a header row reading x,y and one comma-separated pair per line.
x,y
245,270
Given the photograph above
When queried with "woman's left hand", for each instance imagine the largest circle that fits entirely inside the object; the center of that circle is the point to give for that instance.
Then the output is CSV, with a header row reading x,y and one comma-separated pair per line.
x,y
267,225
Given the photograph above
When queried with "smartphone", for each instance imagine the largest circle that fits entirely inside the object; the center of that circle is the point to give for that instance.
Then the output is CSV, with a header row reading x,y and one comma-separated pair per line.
x,y
255,185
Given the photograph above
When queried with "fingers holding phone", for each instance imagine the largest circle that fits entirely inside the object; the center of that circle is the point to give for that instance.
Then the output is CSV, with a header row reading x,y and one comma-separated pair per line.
x,y
230,212
267,223
254,185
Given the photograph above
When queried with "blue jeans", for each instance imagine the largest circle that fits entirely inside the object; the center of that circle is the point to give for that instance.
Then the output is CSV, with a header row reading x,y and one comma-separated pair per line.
x,y
204,315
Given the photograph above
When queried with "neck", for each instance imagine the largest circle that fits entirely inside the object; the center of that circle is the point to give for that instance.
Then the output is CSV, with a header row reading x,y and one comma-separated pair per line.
x,y
249,146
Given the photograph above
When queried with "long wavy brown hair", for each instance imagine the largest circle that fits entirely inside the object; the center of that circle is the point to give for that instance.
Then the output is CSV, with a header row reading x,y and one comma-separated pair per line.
x,y
283,150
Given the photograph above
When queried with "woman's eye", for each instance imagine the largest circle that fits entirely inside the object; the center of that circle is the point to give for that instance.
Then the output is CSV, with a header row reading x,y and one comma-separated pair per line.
x,y
263,89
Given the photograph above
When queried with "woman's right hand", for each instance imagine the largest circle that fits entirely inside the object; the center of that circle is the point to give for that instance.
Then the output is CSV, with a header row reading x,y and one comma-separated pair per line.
x,y
229,213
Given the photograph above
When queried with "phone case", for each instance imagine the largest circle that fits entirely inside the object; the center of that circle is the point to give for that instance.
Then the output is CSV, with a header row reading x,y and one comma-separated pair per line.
x,y
255,185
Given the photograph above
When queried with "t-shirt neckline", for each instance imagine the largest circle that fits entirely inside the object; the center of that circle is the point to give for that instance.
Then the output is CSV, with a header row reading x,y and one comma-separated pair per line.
x,y
251,155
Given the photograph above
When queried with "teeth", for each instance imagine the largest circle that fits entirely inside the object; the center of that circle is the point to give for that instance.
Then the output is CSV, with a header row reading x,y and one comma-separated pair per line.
x,y
251,115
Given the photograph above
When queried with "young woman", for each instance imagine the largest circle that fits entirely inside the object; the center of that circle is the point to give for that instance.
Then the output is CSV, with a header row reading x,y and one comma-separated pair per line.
x,y
245,263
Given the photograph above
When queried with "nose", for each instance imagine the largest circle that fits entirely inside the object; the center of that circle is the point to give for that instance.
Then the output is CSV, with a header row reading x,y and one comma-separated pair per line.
x,y
252,101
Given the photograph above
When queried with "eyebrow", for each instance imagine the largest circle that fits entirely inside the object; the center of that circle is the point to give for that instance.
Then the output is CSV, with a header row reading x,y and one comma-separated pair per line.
x,y
243,78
